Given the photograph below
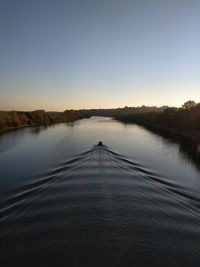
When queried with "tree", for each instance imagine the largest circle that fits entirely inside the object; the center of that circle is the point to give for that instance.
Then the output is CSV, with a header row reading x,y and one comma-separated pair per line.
x,y
189,104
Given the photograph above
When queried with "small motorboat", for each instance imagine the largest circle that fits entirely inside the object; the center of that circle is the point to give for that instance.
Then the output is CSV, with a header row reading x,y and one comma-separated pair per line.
x,y
100,143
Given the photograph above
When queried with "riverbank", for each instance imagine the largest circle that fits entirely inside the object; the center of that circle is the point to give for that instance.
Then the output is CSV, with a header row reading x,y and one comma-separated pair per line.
x,y
193,134
13,120
9,129
183,121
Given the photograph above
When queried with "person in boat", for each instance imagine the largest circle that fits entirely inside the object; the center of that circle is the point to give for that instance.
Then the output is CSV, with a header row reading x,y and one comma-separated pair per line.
x,y
100,143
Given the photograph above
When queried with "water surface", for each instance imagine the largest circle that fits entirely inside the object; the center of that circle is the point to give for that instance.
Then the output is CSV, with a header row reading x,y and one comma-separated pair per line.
x,y
66,202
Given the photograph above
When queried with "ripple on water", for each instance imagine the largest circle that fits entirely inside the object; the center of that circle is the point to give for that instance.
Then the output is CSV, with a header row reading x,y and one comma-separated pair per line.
x,y
100,209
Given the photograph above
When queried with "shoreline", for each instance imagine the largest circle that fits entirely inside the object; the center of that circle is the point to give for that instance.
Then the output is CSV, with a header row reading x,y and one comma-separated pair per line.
x,y
10,129
189,134
13,120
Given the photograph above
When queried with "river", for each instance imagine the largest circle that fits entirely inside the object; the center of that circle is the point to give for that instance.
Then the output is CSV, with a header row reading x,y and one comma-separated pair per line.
x,y
67,202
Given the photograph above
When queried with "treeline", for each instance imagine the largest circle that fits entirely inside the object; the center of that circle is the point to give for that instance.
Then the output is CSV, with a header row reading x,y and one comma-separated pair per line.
x,y
122,111
184,120
16,119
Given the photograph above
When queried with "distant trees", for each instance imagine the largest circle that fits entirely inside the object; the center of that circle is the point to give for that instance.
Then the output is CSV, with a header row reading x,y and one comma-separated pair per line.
x,y
123,111
189,104
184,119
14,119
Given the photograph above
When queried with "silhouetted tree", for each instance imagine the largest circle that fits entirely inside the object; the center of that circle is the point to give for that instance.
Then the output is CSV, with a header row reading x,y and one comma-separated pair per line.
x,y
189,104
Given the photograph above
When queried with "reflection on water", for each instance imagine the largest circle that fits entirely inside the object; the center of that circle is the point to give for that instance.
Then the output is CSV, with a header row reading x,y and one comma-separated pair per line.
x,y
65,202
189,148
14,137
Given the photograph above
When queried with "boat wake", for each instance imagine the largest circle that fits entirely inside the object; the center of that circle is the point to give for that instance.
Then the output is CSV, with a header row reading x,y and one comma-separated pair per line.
x,y
100,209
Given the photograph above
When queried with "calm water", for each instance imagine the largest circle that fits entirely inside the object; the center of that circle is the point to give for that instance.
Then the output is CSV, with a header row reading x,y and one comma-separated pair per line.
x,y
66,202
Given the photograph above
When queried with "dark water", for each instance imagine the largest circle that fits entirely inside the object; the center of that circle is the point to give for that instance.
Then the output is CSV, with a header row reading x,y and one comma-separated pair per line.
x,y
66,202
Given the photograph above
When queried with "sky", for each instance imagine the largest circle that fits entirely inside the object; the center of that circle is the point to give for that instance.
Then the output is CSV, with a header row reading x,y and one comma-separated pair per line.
x,y
60,54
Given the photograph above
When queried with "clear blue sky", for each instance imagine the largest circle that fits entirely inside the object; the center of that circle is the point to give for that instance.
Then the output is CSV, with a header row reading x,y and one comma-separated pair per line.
x,y
60,54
